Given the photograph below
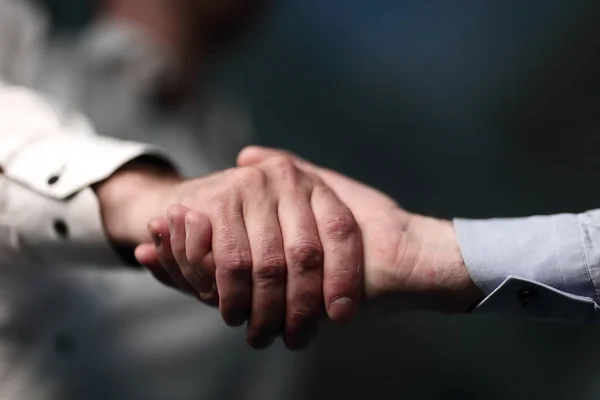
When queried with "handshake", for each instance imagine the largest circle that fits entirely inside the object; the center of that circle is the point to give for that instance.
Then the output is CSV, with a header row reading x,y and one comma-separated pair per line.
x,y
278,243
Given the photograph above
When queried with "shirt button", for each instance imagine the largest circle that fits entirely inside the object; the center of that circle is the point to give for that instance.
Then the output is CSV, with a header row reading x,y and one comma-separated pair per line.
x,y
53,179
61,228
526,296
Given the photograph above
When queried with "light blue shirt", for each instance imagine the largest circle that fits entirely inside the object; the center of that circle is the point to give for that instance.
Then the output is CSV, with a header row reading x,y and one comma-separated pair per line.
x,y
540,267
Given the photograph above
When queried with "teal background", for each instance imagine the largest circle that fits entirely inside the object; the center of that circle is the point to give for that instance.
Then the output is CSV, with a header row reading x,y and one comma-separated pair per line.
x,y
463,108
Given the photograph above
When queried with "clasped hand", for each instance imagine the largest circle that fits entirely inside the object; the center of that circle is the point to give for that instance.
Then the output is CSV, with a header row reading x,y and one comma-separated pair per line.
x,y
279,242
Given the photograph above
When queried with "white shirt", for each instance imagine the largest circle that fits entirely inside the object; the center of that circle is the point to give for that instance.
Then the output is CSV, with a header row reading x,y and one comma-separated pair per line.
x,y
74,323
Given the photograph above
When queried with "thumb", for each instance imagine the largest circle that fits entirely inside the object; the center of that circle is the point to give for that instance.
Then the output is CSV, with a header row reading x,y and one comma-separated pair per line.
x,y
353,193
255,154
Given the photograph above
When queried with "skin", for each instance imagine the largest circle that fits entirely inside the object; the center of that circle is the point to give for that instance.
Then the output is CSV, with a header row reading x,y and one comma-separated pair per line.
x,y
280,241
277,242
409,262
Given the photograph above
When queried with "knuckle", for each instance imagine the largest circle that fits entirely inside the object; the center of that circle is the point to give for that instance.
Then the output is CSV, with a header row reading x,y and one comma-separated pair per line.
x,y
280,161
222,199
237,263
270,273
301,317
305,256
340,226
284,166
251,177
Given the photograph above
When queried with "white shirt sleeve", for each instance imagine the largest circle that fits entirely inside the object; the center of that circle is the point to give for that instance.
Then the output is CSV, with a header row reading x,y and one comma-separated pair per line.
x,y
48,212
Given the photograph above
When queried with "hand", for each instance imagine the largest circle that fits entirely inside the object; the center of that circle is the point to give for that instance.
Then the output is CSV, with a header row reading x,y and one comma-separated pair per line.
x,y
411,262
283,245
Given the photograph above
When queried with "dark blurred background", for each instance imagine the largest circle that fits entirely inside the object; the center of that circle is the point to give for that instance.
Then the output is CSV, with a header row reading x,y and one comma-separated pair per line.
x,y
463,108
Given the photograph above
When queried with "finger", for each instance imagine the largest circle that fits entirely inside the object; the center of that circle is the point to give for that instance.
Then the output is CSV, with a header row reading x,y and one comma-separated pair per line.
x,y
342,252
233,260
145,254
268,272
304,257
345,188
198,238
159,231
177,217
303,251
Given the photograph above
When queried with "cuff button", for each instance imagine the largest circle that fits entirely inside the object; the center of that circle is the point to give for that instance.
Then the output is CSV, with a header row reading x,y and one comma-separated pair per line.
x,y
53,179
526,296
61,228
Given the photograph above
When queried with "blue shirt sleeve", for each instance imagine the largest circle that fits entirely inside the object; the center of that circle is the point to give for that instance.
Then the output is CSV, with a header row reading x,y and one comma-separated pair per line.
x,y
541,267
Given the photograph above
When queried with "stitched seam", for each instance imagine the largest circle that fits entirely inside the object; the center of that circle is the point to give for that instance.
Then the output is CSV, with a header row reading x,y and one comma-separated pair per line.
x,y
586,262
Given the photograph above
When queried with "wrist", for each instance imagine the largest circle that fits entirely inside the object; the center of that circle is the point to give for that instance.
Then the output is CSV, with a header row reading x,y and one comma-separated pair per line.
x,y
452,287
133,195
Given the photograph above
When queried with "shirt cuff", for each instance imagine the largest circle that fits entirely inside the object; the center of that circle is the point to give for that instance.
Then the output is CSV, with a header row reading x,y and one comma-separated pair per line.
x,y
535,267
53,212
59,166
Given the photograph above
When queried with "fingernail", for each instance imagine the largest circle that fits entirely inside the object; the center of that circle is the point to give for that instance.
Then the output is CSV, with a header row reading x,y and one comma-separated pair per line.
x,y
157,239
342,300
341,310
